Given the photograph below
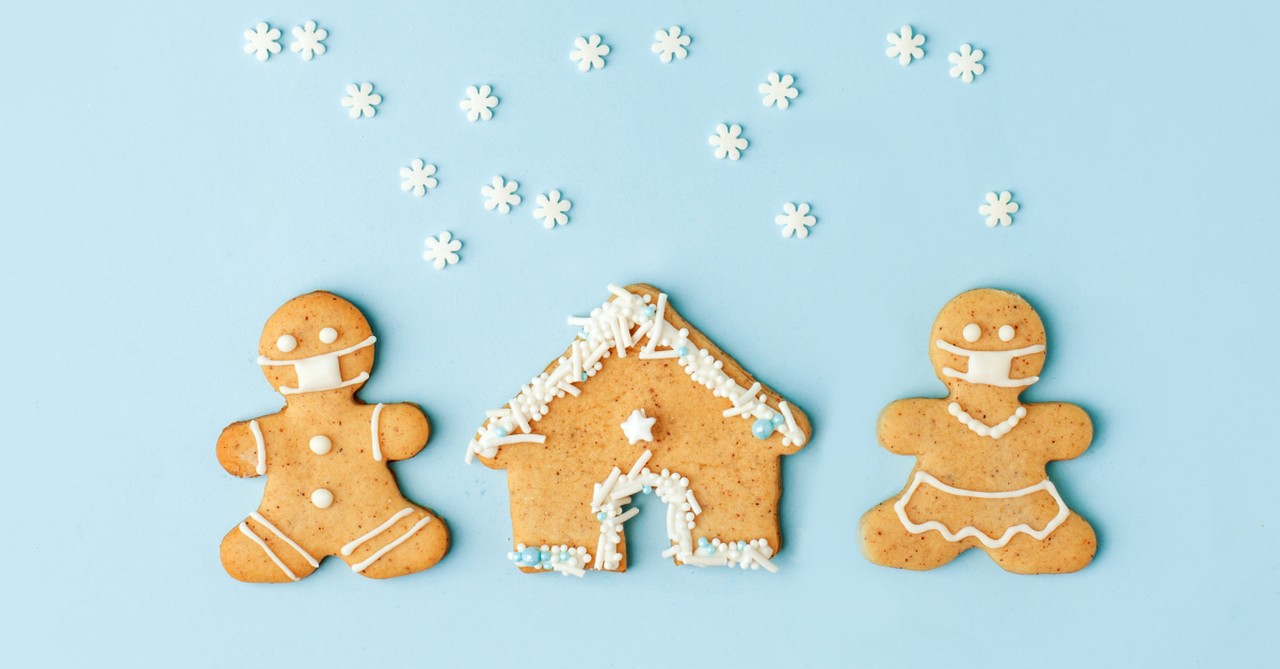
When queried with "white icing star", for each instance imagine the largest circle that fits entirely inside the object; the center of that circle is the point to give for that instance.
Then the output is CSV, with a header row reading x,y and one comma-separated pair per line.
x,y
638,427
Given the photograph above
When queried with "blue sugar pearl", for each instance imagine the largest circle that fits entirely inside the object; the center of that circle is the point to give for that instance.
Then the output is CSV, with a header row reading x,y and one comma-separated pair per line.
x,y
702,541
601,516
564,557
530,556
584,376
500,431
682,351
649,312
762,428
546,556
647,490
779,420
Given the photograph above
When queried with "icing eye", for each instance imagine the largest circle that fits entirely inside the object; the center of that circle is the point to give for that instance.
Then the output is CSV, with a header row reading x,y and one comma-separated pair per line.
x,y
286,343
1006,332
972,332
328,335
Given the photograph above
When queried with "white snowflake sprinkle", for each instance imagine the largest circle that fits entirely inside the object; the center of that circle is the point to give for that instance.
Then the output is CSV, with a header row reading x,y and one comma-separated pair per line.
x,y
728,141
262,41
362,100
479,103
966,63
501,195
779,91
418,177
442,250
552,210
590,53
308,40
795,219
671,43
905,46
999,209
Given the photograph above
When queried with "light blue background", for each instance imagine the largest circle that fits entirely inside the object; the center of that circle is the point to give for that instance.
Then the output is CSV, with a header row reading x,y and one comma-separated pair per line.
x,y
162,192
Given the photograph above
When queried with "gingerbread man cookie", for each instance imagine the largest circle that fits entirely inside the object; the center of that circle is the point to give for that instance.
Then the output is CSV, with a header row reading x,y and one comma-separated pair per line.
x,y
329,490
980,478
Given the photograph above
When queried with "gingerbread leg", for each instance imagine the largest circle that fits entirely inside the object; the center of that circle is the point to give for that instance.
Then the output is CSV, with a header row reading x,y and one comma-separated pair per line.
x,y
886,542
256,551
410,541
1068,548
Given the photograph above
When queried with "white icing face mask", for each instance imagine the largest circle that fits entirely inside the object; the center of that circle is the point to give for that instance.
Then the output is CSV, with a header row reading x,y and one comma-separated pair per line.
x,y
990,368
319,372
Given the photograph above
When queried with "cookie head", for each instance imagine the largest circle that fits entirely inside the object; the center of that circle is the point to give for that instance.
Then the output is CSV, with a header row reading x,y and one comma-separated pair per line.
x,y
988,337
314,343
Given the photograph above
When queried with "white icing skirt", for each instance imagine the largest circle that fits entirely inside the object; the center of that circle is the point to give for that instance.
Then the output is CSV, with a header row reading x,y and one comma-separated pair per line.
x,y
999,510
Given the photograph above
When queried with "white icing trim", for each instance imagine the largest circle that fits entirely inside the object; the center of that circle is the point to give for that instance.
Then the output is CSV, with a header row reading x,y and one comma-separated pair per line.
x,y
614,493
244,529
292,544
361,566
982,429
262,447
264,361
347,549
616,326
971,531
377,447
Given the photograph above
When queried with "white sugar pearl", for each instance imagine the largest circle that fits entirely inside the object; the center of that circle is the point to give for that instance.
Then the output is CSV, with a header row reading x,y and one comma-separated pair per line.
x,y
286,343
321,498
972,332
328,335
1006,332
320,444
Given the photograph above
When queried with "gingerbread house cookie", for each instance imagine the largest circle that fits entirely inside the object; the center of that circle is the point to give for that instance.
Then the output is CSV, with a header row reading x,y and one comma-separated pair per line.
x,y
641,402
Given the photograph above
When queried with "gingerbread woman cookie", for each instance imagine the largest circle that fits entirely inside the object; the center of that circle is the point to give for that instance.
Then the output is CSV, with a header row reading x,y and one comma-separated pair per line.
x,y
329,490
980,478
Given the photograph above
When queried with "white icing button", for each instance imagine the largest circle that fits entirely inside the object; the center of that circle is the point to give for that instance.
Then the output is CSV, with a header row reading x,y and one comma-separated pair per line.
x,y
972,332
1006,332
322,498
320,444
328,335
286,343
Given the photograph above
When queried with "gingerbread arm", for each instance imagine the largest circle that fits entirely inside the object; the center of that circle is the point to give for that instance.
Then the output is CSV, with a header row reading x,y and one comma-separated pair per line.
x,y
899,426
241,450
403,430
1074,432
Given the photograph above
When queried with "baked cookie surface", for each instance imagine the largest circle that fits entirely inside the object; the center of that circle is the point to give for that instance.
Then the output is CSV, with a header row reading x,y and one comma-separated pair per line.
x,y
325,454
980,479
642,402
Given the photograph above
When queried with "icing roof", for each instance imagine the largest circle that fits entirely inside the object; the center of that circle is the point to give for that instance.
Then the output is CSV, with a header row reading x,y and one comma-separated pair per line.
x,y
628,323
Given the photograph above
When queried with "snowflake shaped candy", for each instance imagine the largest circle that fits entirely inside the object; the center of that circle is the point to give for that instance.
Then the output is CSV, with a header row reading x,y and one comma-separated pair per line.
x,y
418,177
262,41
442,250
999,209
501,195
778,91
905,46
552,210
671,44
795,220
362,100
728,141
479,103
308,40
965,63
590,53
